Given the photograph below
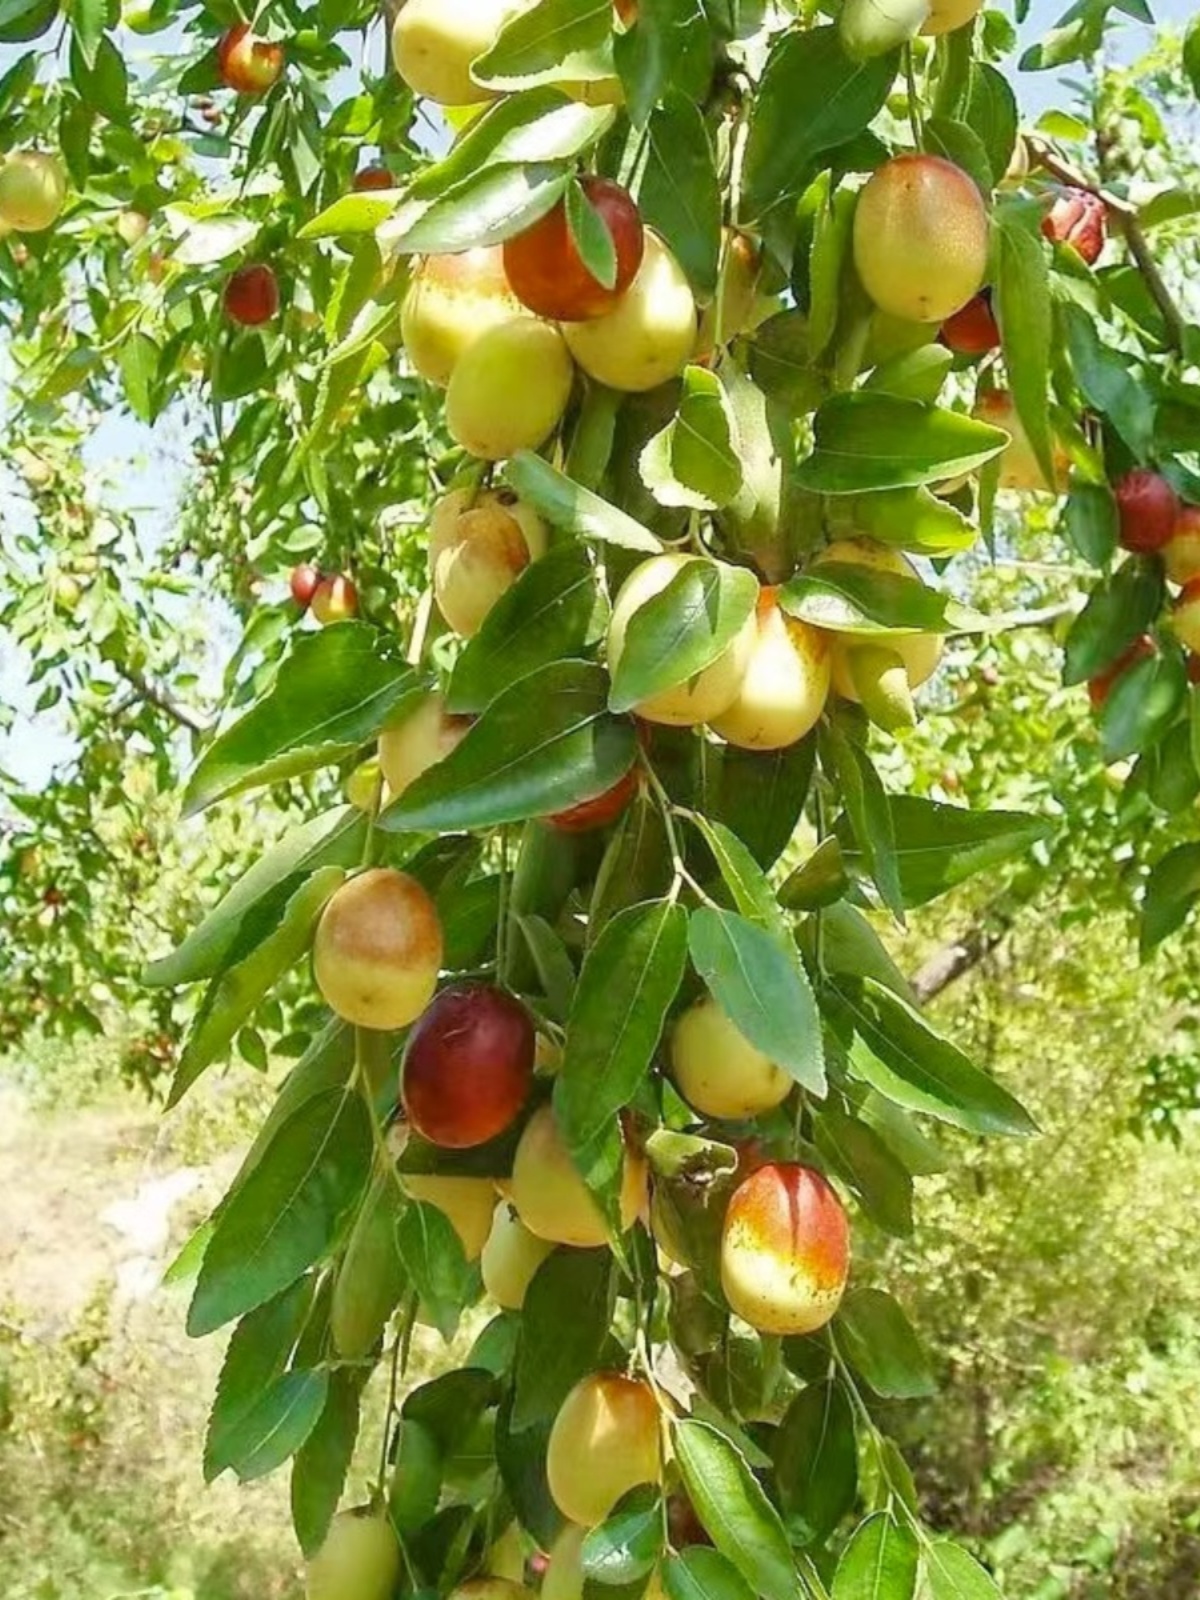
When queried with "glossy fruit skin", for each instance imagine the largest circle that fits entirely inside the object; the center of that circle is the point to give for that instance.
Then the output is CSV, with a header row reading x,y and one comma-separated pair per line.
x,y
33,191
548,274
510,389
247,63
972,331
360,1560
1147,508
604,1442
373,177
946,15
590,815
1100,687
1019,467
711,691
785,1250
451,301
426,736
303,584
649,336
785,685
1079,219
718,1071
920,652
251,296
434,44
1181,554
335,599
1185,616
467,1202
511,1258
479,545
921,238
552,1199
468,1066
378,949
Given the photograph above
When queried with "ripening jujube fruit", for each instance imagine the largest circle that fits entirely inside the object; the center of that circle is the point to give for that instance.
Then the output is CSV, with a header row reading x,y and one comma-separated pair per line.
x,y
510,389
511,1258
590,815
1185,616
303,583
369,179
359,1560
33,191
711,691
606,1440
1147,510
649,335
479,545
1020,469
427,735
920,238
547,272
1181,553
785,685
946,15
434,43
132,226
251,295
468,1066
718,1071
468,1204
551,1197
1078,219
972,330
335,599
450,301
785,1250
378,949
248,63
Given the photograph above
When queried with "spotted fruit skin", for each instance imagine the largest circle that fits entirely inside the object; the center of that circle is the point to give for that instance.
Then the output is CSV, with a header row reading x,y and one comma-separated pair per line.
x,y
378,949
921,238
785,1250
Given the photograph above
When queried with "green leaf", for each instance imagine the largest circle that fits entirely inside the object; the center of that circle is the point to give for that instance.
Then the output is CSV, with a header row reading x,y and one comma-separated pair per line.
x,y
103,82
812,97
742,875
258,1353
203,241
698,1573
940,846
740,1520
1022,303
521,1460
1142,704
554,611
896,1051
1109,382
288,1212
880,1344
138,358
350,214
485,209
89,18
679,194
763,989
275,1427
333,693
761,795
1191,59
1171,891
815,1456
959,143
545,744
868,808
913,519
433,1257
627,1545
863,1160
256,965
564,1324
866,440
694,460
1089,520
951,1574
323,1461
574,509
915,375
879,1563
682,629
669,52
1119,609
370,1278
845,598
555,969
591,236
553,41
640,956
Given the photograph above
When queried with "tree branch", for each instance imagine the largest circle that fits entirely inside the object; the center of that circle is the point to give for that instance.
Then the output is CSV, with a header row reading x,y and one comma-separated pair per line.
x,y
155,696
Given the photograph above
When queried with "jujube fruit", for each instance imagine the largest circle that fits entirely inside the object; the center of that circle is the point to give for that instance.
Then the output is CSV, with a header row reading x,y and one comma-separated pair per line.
x,y
479,544
649,335
785,685
785,1250
251,295
972,330
920,238
604,1442
303,583
1079,219
359,1560
1185,616
450,302
367,179
718,1071
589,815
551,1197
919,653
378,949
468,1066
1020,468
1147,510
248,63
546,271
511,1258
335,599
467,1203
33,191
1181,553
946,15
491,1589
426,735
434,43
510,389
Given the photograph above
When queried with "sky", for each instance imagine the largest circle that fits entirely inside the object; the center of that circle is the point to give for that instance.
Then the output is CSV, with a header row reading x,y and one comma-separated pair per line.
x,y
133,456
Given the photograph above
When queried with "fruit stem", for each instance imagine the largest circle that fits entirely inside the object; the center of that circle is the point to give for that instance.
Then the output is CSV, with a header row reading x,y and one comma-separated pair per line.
x,y
914,101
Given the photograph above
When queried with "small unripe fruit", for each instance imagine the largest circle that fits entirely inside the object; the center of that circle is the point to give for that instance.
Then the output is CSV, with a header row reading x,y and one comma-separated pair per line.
x,y
711,691
434,44
511,1258
468,1203
251,296
132,227
1019,467
450,302
920,652
1100,687
649,335
479,545
334,600
378,949
604,1442
247,63
510,389
1185,616
1181,555
468,1066
718,1071
1079,219
426,736
548,274
33,191
921,238
373,177
589,815
1148,509
303,584
946,15
972,331
785,1250
360,1560
785,686
552,1199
